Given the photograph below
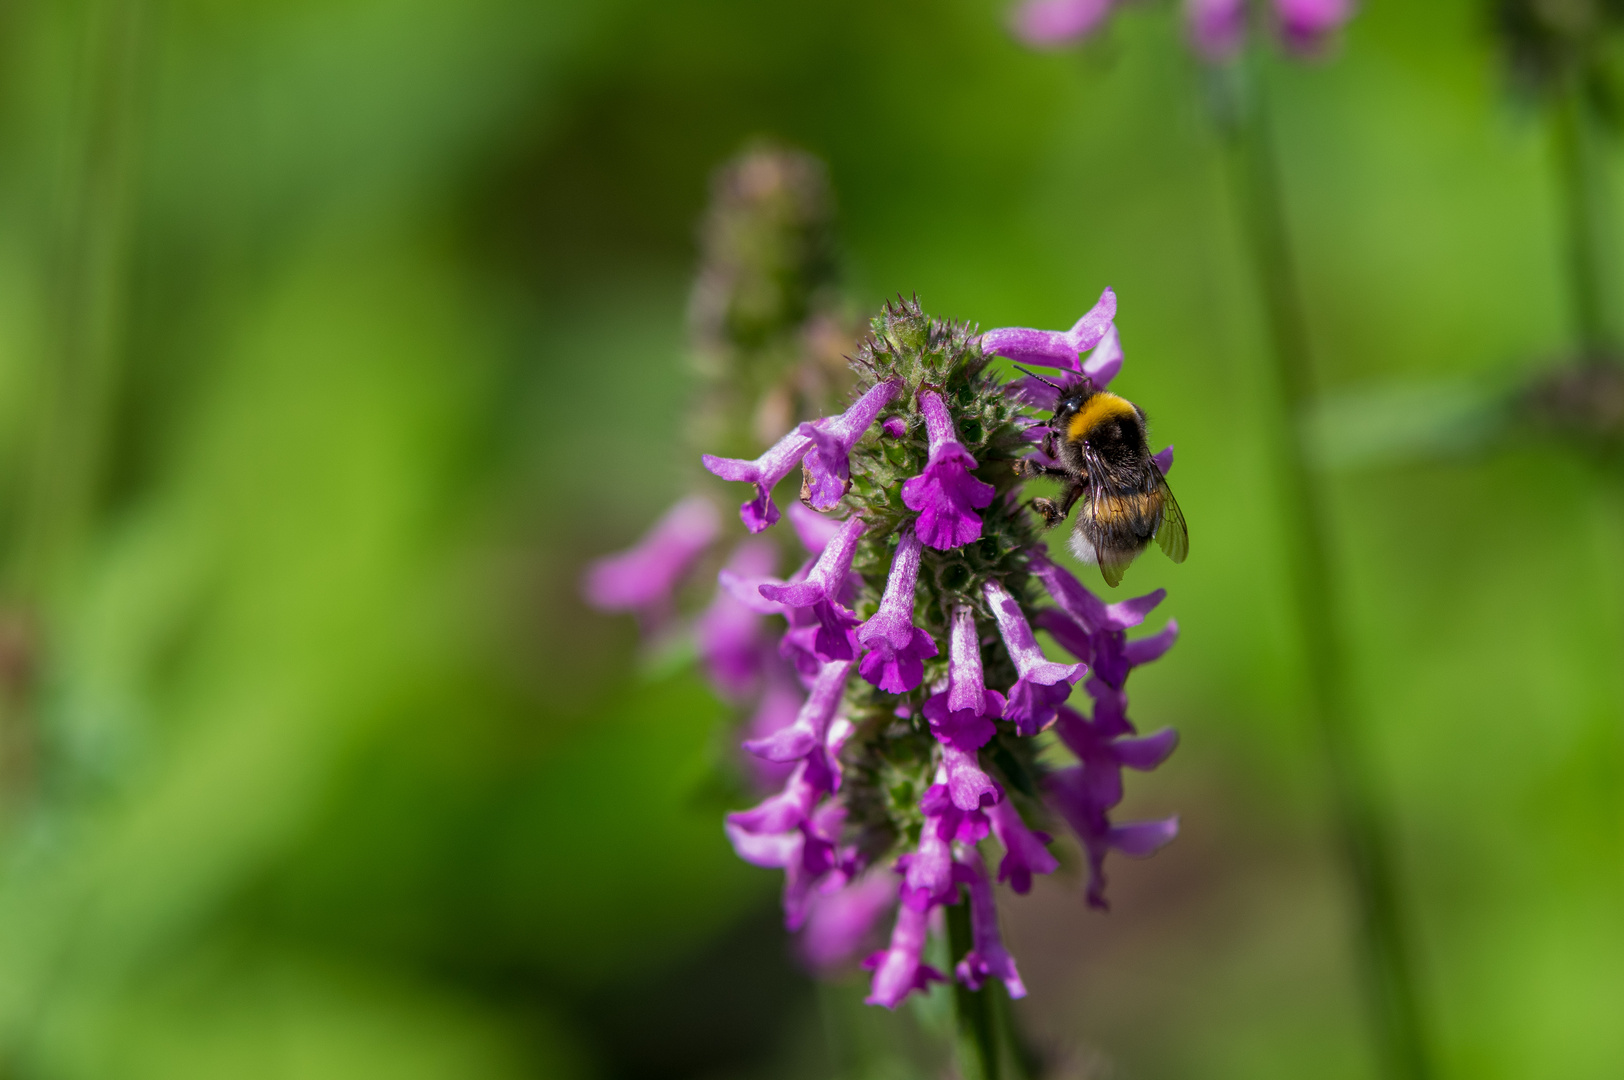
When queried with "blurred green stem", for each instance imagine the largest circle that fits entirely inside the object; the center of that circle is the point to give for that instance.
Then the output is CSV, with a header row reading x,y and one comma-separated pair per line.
x,y
1580,166
974,1022
1362,828
88,278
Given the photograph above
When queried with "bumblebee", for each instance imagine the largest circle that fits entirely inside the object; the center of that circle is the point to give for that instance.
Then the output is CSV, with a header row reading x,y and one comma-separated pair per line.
x,y
1098,441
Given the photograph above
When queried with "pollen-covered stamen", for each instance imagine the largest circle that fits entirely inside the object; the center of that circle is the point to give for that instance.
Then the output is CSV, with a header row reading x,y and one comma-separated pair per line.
x,y
897,650
987,958
828,463
1043,684
811,726
643,578
945,494
1056,348
1025,850
822,594
765,472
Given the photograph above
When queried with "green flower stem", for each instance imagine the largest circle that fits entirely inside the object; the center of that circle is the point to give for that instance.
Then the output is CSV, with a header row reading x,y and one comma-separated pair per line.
x,y
1360,823
1580,168
974,1018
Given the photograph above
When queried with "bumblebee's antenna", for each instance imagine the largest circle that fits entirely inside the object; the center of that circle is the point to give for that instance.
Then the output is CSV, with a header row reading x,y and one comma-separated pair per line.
x,y
1054,386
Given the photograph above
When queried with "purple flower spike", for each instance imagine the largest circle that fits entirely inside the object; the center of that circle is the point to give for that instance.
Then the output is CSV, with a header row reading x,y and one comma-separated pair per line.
x,y
1048,24
1026,851
1055,348
642,578
950,822
780,704
1304,25
962,715
1164,460
822,593
813,529
811,727
1105,361
1043,684
987,958
897,650
764,472
897,970
1089,610
967,785
828,464
945,494
812,779
729,631
1085,793
840,922
1217,27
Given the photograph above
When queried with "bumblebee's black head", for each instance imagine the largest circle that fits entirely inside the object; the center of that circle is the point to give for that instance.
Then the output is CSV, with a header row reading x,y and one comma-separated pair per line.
x,y
1072,399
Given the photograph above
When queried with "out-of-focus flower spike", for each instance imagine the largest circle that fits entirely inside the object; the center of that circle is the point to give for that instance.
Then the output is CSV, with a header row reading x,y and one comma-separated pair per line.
x,y
764,472
728,631
897,650
1304,26
1025,850
1043,684
828,463
781,702
1164,460
1144,650
945,494
898,970
1217,28
987,958
839,922
1078,602
1051,24
811,726
642,578
1148,751
811,780
1055,348
1140,839
813,529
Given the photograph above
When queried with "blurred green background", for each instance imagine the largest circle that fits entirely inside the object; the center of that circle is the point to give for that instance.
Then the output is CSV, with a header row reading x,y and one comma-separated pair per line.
x,y
335,337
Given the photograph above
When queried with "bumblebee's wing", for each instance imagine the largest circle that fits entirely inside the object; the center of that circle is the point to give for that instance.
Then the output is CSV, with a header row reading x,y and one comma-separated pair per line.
x,y
1112,569
1174,534
1112,560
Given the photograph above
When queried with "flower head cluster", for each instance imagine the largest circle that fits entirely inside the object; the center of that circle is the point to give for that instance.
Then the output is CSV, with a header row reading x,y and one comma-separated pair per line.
x,y
1217,28
928,698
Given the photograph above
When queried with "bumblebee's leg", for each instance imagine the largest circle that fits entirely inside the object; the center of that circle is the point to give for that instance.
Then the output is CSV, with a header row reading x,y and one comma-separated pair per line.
x,y
1073,493
1031,470
1052,513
